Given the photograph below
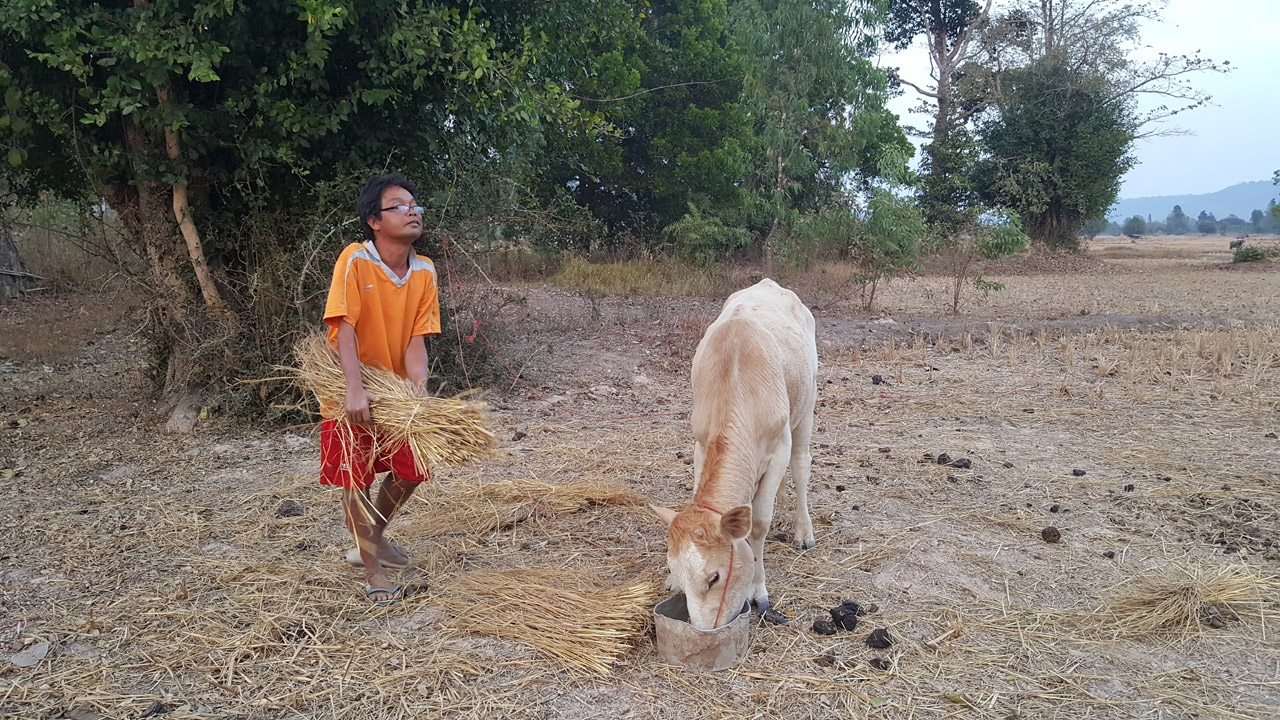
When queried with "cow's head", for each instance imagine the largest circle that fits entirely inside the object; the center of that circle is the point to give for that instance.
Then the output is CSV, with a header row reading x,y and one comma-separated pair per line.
x,y
710,559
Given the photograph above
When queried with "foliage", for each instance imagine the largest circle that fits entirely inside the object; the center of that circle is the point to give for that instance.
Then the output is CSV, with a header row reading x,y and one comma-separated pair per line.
x,y
703,240
1056,150
882,240
1094,227
991,238
1253,253
670,89
817,102
1136,225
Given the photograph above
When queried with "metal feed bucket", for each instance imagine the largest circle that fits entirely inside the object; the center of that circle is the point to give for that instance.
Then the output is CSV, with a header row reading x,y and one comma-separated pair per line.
x,y
680,643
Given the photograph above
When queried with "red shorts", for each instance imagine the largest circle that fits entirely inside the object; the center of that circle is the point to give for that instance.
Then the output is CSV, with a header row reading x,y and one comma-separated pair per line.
x,y
350,457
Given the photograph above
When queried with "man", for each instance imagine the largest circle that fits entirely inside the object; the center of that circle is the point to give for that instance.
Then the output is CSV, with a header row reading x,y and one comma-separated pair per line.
x,y
382,302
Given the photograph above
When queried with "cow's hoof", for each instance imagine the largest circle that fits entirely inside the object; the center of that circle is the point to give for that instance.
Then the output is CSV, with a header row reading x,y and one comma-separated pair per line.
x,y
806,544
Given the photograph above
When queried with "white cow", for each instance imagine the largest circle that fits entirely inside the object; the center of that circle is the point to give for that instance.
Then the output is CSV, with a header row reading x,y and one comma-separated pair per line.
x,y
754,388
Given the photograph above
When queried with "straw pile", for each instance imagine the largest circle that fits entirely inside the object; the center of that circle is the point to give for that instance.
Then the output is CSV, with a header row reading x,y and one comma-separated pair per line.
x,y
573,617
1182,598
448,431
479,508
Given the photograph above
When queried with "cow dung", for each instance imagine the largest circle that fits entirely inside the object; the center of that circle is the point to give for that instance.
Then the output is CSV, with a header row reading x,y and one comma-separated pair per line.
x,y
879,639
1078,472
289,508
824,627
1051,534
943,459
1110,554
962,463
1128,488
879,663
845,616
1054,508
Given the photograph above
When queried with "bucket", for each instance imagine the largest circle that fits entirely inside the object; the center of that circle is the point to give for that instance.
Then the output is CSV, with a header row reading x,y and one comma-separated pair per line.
x,y
680,643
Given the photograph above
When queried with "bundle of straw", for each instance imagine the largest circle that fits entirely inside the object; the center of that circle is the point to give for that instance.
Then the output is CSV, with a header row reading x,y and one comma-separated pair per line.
x,y
571,617
1178,599
450,431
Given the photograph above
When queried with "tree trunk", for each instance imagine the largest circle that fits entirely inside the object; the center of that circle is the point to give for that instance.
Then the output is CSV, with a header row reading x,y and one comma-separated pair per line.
x,y
182,213
14,278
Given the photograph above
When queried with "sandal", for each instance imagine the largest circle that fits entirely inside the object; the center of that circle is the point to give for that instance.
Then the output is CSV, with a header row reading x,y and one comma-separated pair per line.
x,y
396,592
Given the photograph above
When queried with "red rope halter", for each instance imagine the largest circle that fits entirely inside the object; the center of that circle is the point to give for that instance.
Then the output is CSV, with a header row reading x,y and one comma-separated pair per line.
x,y
729,575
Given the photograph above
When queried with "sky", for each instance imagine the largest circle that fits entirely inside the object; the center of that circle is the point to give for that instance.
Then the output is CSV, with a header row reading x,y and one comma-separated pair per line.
x,y
1235,139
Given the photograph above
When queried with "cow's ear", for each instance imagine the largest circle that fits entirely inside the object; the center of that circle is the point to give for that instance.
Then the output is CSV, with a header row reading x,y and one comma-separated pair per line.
x,y
664,514
737,522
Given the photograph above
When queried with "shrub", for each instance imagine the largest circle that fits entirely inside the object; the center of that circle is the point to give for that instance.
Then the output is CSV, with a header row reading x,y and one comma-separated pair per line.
x,y
1253,253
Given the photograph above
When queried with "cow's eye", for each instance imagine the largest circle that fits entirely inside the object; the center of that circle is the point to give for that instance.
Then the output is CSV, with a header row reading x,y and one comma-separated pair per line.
x,y
714,579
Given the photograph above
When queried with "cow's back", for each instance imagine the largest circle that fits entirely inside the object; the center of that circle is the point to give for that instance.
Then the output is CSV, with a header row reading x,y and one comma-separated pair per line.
x,y
760,350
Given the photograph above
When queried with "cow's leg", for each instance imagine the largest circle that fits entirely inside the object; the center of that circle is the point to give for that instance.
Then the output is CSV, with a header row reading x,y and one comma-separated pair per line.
x,y
761,518
801,459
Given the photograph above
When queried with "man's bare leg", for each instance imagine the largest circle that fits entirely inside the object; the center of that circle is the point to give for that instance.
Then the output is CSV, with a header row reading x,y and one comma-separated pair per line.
x,y
391,497
362,522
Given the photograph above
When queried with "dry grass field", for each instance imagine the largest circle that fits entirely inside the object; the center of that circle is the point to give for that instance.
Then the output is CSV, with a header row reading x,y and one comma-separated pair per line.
x,y
201,576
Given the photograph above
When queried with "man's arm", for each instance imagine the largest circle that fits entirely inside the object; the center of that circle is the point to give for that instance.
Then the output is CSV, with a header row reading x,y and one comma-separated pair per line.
x,y
415,363
358,400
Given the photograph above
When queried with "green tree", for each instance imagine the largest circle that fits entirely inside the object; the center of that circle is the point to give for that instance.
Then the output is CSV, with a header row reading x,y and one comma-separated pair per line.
x,y
222,132
1041,57
1177,223
817,101
670,90
1206,223
1256,219
948,28
1055,150
1093,228
1136,225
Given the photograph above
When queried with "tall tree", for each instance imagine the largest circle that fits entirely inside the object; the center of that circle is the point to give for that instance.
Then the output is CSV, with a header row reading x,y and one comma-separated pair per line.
x,y
1177,223
1055,150
1088,48
817,102
948,28
670,90
215,128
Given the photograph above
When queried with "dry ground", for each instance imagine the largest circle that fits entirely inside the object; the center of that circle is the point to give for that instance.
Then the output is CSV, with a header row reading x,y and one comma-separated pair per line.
x,y
166,582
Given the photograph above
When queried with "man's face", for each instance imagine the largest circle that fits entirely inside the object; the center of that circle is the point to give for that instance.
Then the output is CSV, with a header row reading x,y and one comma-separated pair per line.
x,y
395,225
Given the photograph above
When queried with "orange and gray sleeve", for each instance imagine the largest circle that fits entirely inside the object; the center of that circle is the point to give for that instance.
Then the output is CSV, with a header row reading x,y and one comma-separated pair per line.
x,y
344,290
426,320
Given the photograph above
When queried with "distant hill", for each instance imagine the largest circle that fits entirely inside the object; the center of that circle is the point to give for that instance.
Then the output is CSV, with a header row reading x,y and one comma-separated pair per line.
x,y
1239,200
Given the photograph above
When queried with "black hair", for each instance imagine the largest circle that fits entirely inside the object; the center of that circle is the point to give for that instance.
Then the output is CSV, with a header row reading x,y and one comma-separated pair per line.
x,y
369,202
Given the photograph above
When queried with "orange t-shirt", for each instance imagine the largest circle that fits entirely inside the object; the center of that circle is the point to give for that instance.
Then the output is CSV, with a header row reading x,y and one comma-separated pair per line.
x,y
385,310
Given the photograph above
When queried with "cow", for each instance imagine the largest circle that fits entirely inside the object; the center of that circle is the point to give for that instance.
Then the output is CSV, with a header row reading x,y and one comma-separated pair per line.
x,y
754,388
1238,242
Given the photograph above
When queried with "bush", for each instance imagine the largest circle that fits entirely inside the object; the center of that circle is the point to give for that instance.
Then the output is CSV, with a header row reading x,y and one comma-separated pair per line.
x,y
1253,253
703,240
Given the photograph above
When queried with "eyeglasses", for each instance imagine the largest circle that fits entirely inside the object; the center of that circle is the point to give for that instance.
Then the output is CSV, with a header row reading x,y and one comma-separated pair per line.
x,y
405,208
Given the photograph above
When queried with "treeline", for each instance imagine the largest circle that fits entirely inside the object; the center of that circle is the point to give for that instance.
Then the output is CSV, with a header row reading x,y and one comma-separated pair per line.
x,y
228,137
1177,222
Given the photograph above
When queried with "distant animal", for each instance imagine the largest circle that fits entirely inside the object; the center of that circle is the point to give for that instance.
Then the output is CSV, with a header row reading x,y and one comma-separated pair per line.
x,y
754,389
1132,236
1238,242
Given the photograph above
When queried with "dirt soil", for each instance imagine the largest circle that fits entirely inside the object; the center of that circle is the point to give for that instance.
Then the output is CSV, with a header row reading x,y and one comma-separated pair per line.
x,y
157,575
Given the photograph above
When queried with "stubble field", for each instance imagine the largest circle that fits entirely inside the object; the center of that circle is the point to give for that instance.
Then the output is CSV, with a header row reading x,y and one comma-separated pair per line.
x,y
152,575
